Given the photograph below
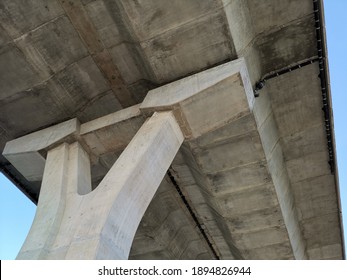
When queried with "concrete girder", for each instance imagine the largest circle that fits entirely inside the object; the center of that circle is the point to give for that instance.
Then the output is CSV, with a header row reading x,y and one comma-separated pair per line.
x,y
276,165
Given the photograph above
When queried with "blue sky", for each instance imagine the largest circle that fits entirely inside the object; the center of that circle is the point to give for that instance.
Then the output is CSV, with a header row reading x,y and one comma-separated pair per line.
x,y
17,211
336,22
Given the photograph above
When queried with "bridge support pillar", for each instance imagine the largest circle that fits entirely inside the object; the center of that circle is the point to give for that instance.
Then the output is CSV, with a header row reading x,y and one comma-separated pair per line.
x,y
73,222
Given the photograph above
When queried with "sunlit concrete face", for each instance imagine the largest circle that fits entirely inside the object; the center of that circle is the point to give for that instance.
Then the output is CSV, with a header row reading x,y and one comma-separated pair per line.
x,y
258,183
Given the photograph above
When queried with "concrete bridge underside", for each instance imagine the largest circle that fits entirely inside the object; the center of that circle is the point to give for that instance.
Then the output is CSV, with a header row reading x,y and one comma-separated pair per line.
x,y
254,177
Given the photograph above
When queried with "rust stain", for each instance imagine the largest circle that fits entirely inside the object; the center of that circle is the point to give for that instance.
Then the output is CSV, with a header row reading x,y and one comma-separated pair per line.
x,y
183,123
85,28
101,56
104,61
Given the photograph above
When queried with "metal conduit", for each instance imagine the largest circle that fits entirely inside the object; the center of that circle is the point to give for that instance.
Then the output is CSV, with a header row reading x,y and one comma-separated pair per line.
x,y
321,59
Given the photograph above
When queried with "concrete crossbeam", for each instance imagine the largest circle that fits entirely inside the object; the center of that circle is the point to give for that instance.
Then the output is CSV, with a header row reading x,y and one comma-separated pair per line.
x,y
113,132
24,152
205,101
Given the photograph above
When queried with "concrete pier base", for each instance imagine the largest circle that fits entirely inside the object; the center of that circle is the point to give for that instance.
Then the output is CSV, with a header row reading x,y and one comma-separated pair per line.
x,y
73,222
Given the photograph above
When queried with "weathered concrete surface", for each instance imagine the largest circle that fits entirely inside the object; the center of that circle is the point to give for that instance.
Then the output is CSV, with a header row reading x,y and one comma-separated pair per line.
x,y
307,164
85,59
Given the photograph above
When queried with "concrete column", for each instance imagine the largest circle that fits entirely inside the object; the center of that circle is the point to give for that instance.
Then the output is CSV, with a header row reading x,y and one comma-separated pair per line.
x,y
50,206
72,223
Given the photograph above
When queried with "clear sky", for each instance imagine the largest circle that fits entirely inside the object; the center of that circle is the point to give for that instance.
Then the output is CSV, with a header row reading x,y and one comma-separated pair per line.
x,y
17,211
336,22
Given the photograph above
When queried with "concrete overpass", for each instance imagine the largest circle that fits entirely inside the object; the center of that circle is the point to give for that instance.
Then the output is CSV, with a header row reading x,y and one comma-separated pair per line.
x,y
241,83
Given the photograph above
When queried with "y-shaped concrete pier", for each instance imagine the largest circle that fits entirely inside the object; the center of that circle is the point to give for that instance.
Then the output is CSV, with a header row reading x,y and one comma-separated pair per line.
x,y
74,222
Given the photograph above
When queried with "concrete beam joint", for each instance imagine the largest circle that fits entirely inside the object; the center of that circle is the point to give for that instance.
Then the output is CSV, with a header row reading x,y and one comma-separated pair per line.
x,y
205,101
